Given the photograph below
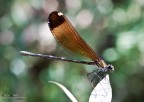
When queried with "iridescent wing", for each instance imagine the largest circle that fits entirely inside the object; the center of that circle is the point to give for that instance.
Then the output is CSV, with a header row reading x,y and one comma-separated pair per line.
x,y
69,38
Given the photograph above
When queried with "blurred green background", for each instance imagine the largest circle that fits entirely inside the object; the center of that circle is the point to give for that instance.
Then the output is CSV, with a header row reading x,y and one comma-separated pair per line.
x,y
113,28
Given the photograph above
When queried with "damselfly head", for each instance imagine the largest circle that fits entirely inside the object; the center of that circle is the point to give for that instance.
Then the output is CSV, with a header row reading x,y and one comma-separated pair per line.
x,y
110,68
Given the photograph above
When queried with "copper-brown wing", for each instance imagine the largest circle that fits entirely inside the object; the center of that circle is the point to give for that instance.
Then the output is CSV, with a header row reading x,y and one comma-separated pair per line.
x,y
68,37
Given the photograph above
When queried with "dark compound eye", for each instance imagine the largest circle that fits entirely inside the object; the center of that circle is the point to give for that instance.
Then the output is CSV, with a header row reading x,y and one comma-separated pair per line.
x,y
110,67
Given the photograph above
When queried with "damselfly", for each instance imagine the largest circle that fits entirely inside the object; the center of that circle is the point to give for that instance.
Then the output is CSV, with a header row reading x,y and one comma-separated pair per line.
x,y
68,37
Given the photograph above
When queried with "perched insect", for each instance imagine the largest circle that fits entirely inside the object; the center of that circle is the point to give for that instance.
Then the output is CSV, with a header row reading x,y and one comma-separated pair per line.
x,y
68,37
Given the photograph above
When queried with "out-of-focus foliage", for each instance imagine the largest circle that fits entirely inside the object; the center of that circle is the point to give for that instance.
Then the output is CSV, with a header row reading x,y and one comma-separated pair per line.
x,y
113,28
